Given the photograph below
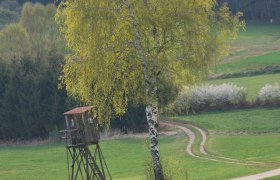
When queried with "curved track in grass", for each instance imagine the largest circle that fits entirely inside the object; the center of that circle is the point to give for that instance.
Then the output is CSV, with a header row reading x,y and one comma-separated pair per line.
x,y
185,127
204,154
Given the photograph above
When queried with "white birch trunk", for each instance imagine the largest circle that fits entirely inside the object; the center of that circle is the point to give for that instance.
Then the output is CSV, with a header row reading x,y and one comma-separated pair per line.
x,y
152,106
151,114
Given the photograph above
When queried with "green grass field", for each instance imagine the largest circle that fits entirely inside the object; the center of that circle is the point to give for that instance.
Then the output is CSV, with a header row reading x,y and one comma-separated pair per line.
x,y
125,157
257,39
264,148
251,134
252,83
250,63
273,178
254,48
248,121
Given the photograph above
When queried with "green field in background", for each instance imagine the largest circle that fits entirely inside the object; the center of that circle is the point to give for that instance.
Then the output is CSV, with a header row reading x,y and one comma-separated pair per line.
x,y
252,83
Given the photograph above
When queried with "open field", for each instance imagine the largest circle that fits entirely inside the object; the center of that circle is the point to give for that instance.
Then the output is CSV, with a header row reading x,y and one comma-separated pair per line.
x,y
256,40
250,135
264,148
256,47
250,63
252,83
249,121
126,157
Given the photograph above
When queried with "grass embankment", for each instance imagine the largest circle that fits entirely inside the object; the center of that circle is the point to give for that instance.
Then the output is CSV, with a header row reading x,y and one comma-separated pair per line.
x,y
252,83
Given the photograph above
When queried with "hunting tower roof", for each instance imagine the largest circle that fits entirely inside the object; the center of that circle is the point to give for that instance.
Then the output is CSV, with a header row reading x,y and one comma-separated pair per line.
x,y
78,110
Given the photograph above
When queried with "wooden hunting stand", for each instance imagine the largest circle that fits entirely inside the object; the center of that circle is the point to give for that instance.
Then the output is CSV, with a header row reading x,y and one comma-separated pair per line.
x,y
81,131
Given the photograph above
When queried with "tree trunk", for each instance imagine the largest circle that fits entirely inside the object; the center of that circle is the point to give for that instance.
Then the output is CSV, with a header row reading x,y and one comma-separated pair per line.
x,y
151,114
152,107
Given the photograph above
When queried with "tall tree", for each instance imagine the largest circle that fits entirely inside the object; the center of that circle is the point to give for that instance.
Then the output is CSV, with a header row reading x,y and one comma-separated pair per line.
x,y
14,43
126,49
39,22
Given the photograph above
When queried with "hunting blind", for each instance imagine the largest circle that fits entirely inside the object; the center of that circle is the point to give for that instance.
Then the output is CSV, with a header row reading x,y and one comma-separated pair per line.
x,y
82,130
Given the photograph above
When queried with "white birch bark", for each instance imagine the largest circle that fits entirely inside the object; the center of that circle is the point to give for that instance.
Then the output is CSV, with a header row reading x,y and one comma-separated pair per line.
x,y
152,106
151,114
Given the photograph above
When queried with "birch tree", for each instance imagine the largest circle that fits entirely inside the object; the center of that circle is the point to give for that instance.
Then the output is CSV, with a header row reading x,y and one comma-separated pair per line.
x,y
124,50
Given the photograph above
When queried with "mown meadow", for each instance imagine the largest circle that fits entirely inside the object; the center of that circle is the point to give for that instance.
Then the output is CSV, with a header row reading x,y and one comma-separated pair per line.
x,y
127,157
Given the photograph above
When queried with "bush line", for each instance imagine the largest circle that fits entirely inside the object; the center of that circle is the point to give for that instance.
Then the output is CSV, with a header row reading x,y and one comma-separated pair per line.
x,y
222,97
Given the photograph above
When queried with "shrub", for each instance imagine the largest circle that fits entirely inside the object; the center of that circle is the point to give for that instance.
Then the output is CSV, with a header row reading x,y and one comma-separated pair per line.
x,y
270,94
204,97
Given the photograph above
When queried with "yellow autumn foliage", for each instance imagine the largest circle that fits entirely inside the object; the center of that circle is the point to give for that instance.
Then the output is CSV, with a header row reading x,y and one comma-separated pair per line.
x,y
180,38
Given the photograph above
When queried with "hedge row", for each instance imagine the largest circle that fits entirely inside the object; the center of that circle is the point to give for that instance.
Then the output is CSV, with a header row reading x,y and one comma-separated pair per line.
x,y
226,96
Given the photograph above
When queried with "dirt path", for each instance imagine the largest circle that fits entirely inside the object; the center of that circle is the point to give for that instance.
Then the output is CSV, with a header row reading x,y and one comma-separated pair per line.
x,y
191,135
202,149
189,150
263,175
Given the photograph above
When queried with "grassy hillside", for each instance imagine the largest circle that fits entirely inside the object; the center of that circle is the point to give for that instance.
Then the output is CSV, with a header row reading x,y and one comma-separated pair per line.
x,y
250,63
256,47
252,83
257,39
252,121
